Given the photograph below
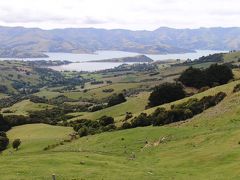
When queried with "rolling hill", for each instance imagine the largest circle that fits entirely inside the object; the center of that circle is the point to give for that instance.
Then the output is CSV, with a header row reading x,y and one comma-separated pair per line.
x,y
88,40
204,147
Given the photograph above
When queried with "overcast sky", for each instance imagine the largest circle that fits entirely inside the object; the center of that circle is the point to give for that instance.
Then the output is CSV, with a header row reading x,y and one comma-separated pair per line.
x,y
127,14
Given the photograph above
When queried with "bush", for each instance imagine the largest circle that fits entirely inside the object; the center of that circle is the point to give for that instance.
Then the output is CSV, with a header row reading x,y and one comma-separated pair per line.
x,y
83,131
141,121
4,141
108,90
128,115
126,125
96,107
158,117
4,125
16,143
166,93
116,99
3,89
106,120
236,88
109,127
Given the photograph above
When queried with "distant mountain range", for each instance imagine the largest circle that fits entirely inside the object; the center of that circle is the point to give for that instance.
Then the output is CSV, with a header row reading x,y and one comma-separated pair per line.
x,y
87,40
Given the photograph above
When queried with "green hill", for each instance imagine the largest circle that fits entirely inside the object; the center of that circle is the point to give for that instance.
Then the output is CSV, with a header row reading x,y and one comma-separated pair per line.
x,y
204,147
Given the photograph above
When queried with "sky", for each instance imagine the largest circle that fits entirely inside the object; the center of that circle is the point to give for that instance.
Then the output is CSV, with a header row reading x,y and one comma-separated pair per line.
x,y
124,14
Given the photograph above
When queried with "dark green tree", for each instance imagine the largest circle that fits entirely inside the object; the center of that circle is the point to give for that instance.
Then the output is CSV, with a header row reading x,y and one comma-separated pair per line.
x,y
193,77
4,141
166,93
106,120
116,99
16,143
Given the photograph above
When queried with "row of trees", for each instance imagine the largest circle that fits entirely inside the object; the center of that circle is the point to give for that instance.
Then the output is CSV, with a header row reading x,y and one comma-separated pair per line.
x,y
85,127
179,112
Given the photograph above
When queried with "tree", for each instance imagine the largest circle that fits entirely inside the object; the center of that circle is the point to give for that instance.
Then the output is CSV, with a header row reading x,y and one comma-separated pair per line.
x,y
106,120
16,143
219,74
141,121
193,77
4,125
4,141
83,131
214,75
116,99
166,93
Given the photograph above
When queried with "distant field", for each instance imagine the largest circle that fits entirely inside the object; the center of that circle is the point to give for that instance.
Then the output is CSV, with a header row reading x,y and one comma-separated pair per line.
x,y
23,107
133,104
47,93
235,56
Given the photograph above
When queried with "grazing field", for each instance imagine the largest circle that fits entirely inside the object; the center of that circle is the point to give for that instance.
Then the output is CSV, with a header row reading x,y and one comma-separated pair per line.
x,y
204,147
25,106
133,104
233,56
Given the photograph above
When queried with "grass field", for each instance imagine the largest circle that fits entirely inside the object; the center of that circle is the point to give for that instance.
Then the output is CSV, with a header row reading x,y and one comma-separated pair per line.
x,y
234,56
25,106
204,147
133,104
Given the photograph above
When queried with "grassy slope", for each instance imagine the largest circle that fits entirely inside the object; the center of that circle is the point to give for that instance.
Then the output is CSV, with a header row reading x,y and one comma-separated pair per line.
x,y
133,104
205,147
8,74
234,56
23,107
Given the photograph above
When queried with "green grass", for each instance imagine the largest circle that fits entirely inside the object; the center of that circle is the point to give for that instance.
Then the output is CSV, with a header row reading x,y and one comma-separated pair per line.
x,y
234,56
25,106
204,147
47,93
98,92
35,137
3,95
133,104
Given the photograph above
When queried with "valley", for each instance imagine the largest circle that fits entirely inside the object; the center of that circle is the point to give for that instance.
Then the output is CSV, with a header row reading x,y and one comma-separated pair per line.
x,y
44,108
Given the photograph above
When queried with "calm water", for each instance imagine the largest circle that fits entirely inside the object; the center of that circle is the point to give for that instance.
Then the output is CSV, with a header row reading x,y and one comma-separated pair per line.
x,y
80,63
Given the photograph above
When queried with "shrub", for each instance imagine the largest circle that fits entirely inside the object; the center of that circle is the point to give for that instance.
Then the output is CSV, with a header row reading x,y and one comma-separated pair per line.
x,y
106,120
126,125
236,88
158,117
141,120
16,143
3,89
109,127
4,141
4,125
83,131
108,90
128,115
166,93
116,99
96,107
